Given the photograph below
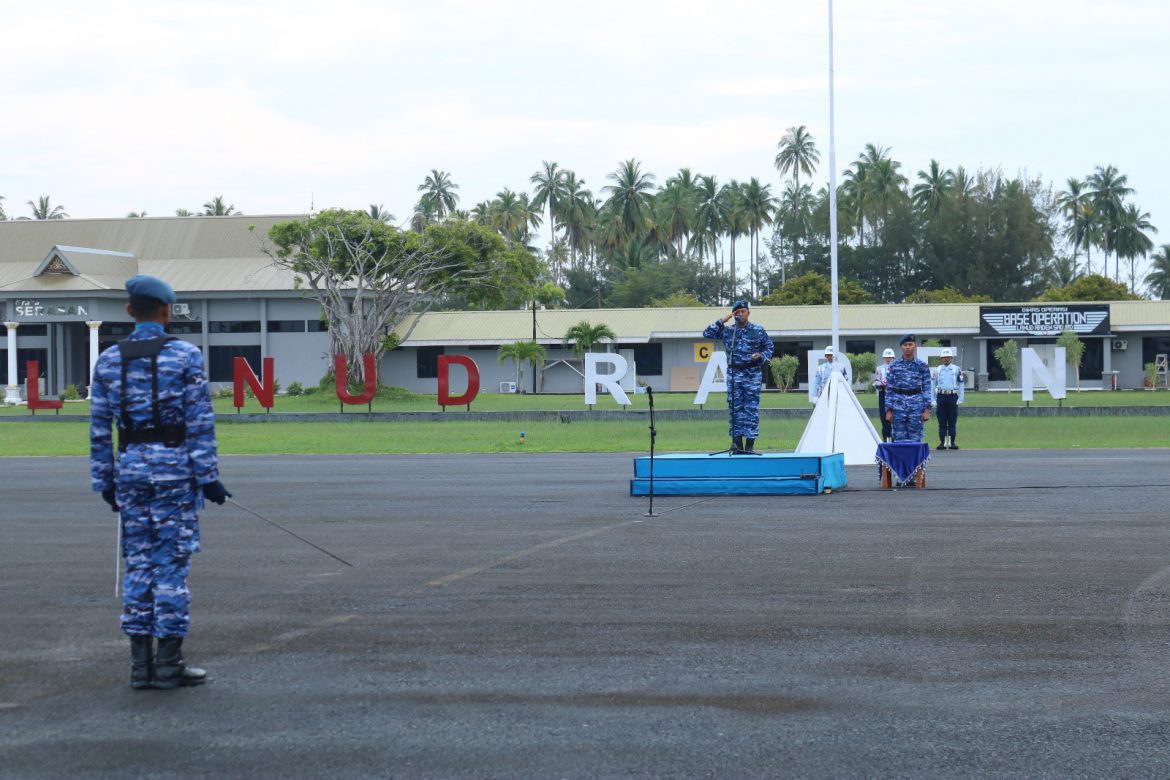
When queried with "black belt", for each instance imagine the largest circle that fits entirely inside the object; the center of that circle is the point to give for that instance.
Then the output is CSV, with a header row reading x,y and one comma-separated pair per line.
x,y
900,391
752,364
169,435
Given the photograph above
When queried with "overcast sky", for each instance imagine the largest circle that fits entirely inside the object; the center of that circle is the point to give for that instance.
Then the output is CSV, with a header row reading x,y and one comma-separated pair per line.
x,y
115,106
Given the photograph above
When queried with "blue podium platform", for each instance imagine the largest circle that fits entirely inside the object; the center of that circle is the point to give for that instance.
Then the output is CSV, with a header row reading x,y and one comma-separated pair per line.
x,y
767,474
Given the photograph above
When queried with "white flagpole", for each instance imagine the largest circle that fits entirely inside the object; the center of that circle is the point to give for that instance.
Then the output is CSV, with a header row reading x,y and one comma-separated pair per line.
x,y
833,193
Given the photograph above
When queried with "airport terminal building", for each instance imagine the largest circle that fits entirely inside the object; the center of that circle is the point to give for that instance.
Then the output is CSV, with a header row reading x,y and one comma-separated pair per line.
x,y
62,300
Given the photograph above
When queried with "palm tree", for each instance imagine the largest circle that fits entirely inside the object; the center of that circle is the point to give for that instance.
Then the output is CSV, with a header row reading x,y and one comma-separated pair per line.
x,y
438,189
1158,279
183,213
42,210
1108,189
708,225
136,215
509,214
532,218
481,213
578,213
217,208
379,213
426,212
549,193
798,152
934,187
675,208
520,351
583,337
3,216
629,198
1131,240
793,207
758,205
734,223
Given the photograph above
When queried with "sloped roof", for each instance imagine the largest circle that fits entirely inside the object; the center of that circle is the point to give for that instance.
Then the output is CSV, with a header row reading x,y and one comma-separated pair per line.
x,y
194,254
641,325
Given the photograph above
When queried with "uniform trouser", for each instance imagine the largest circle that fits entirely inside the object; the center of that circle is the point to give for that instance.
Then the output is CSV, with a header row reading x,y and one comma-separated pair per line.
x,y
948,415
907,423
743,403
159,533
887,428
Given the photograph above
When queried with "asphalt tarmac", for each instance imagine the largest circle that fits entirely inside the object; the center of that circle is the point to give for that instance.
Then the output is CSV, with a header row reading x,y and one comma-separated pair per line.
x,y
518,616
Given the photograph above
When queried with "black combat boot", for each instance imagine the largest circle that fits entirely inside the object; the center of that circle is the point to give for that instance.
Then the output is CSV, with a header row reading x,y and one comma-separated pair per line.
x,y
141,661
736,444
170,671
954,444
751,445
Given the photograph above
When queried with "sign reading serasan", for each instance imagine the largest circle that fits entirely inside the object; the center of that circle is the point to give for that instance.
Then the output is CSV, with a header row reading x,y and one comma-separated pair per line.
x,y
28,307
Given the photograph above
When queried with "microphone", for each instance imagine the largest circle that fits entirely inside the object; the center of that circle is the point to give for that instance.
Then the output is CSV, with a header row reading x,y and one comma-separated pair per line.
x,y
649,391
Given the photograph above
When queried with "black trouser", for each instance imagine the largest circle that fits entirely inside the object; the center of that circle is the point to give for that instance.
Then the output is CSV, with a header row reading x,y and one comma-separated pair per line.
x,y
948,416
887,426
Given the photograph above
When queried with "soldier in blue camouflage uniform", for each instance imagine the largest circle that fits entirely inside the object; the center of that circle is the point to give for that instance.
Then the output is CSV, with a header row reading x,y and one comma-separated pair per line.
x,y
908,393
748,347
152,387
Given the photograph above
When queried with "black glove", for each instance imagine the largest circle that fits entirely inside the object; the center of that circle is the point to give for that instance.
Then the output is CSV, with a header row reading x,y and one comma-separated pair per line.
x,y
109,497
216,492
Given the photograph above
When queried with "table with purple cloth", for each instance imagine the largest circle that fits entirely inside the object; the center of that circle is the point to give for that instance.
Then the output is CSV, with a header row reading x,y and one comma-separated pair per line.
x,y
904,459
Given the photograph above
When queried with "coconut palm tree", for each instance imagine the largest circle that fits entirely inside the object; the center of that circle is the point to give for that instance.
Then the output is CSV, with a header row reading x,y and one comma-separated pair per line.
x,y
583,337
1108,189
136,215
549,193
216,207
521,351
934,186
43,210
532,218
3,216
1158,279
578,214
426,212
708,224
675,207
798,152
379,213
735,225
183,213
438,189
1131,241
758,205
629,197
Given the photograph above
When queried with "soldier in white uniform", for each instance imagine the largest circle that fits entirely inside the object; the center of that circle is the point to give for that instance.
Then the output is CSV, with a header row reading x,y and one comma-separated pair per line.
x,y
880,378
948,394
821,378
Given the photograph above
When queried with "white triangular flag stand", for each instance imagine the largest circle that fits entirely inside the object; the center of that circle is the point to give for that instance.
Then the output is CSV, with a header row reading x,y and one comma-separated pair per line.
x,y
840,424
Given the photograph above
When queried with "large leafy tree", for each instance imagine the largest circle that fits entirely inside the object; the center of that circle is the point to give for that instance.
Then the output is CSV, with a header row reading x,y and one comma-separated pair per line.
x,y
1158,279
370,277
43,209
813,289
1091,287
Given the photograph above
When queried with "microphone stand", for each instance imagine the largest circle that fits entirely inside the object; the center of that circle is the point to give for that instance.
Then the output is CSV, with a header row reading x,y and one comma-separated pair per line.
x,y
653,435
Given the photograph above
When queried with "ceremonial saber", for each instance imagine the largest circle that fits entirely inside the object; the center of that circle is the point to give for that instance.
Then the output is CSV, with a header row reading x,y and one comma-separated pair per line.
x,y
118,557
290,533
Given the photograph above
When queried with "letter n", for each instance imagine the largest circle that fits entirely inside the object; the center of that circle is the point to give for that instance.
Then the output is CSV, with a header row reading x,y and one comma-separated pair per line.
x,y
445,397
242,372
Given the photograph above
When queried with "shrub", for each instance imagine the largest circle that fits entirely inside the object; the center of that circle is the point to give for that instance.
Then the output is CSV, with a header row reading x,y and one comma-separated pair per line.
x,y
224,391
295,389
864,366
71,393
1150,370
784,371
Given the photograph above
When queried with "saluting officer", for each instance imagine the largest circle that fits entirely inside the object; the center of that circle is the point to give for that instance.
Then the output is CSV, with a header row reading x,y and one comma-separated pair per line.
x,y
748,348
880,380
153,388
908,388
821,378
948,394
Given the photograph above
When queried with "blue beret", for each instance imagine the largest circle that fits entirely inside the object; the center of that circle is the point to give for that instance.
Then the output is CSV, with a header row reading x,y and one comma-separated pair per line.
x,y
144,286
740,304
907,337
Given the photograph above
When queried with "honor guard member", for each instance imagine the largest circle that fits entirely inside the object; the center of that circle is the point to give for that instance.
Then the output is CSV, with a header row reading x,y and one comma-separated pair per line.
x,y
748,347
153,389
821,379
948,394
879,384
908,391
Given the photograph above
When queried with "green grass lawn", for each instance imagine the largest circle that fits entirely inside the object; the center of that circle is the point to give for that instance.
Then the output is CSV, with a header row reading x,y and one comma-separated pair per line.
x,y
70,438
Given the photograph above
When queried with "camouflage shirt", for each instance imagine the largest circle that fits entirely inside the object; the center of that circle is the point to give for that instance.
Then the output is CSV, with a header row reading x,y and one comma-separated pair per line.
x,y
183,398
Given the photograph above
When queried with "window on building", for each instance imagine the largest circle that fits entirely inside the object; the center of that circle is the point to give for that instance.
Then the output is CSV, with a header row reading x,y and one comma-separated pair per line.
x,y
648,359
860,346
1093,361
33,330
185,329
22,358
316,326
219,365
428,362
115,329
286,326
1152,346
234,326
